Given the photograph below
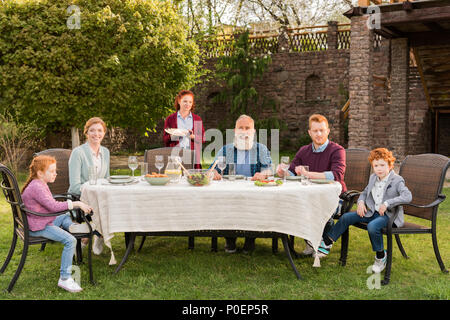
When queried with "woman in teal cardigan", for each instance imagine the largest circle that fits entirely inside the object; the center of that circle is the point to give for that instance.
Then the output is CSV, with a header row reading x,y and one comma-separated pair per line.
x,y
87,155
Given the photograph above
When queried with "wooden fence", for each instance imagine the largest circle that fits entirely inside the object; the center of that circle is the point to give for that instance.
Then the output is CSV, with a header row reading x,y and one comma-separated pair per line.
x,y
302,39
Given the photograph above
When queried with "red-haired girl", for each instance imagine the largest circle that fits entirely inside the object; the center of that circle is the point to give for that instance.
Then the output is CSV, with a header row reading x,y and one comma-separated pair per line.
x,y
37,197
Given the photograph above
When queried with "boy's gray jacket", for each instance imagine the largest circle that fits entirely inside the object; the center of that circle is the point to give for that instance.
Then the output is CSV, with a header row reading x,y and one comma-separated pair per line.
x,y
395,192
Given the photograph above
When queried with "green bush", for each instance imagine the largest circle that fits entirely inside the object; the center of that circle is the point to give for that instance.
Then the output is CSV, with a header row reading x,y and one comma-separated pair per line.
x,y
124,63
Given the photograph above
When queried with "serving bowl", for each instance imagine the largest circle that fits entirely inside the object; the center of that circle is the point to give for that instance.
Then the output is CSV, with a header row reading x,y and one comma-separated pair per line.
x,y
199,177
157,181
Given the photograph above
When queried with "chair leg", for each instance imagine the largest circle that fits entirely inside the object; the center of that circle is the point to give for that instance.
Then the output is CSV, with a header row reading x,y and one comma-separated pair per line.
x,y
274,245
142,243
436,251
291,241
344,248
400,246
20,267
291,244
191,243
43,247
91,274
79,252
387,273
214,244
10,253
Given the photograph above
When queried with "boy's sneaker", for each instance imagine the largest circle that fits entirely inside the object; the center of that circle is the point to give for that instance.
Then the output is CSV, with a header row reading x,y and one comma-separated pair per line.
x,y
69,284
323,250
379,264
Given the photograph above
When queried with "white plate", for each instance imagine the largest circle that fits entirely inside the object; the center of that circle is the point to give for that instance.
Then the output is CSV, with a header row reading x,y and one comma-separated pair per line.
x,y
177,132
118,181
237,177
120,177
294,178
321,181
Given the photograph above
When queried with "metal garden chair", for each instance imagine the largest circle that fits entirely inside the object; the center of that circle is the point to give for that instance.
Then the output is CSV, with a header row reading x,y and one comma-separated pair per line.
x,y
11,191
424,176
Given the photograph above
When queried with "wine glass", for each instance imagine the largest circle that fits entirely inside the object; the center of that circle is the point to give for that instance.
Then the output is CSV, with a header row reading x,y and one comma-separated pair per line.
x,y
221,164
159,163
305,177
132,163
284,163
270,172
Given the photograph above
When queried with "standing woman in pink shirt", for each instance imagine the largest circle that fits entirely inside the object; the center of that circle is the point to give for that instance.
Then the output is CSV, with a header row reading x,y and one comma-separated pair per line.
x,y
37,197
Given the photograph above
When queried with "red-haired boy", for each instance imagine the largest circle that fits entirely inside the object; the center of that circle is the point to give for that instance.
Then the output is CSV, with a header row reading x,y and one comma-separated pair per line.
x,y
385,190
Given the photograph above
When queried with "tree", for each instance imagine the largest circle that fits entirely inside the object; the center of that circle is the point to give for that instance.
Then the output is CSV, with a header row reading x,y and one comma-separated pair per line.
x,y
62,62
205,16
238,72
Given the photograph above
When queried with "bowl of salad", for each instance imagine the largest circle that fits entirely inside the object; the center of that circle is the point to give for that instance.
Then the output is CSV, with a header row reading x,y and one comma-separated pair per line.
x,y
199,177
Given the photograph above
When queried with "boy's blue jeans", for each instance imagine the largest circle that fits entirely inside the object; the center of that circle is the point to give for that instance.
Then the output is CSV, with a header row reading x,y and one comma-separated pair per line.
x,y
374,225
56,232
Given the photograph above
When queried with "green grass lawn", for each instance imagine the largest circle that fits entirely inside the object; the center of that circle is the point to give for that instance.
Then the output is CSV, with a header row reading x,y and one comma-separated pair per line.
x,y
166,269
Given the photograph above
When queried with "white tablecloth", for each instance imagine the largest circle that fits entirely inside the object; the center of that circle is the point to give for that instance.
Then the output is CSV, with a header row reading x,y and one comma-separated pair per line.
x,y
292,208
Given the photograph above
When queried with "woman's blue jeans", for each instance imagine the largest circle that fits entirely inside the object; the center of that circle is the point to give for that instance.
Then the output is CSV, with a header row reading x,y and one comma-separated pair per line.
x,y
375,224
57,232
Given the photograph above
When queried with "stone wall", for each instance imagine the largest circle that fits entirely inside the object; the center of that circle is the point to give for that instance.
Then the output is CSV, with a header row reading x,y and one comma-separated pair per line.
x,y
301,84
381,96
388,107
360,86
444,134
420,116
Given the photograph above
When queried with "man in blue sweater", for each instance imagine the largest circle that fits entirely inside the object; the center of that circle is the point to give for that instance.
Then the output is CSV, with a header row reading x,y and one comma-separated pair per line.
x,y
251,159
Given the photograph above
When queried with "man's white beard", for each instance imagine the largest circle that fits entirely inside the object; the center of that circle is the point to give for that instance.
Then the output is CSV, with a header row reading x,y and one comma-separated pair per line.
x,y
243,141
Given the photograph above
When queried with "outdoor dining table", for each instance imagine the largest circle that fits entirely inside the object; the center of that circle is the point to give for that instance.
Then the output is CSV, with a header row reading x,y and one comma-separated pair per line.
x,y
222,206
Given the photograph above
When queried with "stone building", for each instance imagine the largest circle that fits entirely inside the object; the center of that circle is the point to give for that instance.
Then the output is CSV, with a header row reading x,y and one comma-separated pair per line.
x,y
410,113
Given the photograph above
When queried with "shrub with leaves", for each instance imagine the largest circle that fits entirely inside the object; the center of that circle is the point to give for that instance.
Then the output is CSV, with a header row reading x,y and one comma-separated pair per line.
x,y
62,62
15,141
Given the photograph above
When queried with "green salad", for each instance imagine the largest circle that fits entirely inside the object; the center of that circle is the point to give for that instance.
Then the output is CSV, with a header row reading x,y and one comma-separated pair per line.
x,y
198,179
268,183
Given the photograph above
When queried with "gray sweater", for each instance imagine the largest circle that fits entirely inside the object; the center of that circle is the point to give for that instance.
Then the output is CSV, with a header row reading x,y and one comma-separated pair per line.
x,y
395,192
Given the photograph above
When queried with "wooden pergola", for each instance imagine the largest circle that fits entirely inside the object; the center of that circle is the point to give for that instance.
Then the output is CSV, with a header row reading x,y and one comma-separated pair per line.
x,y
366,3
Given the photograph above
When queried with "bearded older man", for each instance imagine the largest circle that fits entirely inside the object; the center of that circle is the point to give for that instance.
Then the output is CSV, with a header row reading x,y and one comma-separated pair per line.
x,y
251,159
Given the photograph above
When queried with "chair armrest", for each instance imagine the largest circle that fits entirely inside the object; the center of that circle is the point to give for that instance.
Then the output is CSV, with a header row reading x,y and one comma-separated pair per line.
x,y
440,198
66,196
349,195
349,198
51,214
